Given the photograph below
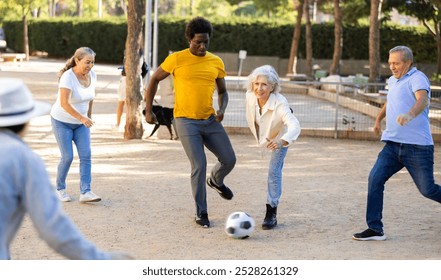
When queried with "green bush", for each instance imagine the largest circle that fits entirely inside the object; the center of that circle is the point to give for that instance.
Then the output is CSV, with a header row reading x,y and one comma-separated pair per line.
x,y
60,38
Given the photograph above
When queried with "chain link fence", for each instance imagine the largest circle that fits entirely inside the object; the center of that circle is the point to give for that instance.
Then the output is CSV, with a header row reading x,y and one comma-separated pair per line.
x,y
327,109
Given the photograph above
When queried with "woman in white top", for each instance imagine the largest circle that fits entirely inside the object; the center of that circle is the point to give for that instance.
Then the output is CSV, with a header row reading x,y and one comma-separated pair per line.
x,y
272,123
72,119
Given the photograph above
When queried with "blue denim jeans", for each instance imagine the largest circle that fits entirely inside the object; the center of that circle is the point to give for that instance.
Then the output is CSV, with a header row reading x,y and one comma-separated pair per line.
x,y
275,176
65,134
417,159
194,135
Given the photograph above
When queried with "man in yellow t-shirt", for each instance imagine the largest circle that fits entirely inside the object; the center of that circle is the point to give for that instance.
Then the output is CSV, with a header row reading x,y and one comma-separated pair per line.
x,y
196,74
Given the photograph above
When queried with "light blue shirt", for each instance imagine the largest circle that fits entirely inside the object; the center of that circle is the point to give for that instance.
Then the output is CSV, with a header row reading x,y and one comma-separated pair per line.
x,y
400,99
25,188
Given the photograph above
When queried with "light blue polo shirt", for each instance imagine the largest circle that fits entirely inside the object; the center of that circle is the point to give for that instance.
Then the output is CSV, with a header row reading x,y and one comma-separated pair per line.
x,y
400,99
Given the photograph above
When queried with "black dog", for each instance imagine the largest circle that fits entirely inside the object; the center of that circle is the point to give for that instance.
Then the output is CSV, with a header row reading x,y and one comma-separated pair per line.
x,y
164,116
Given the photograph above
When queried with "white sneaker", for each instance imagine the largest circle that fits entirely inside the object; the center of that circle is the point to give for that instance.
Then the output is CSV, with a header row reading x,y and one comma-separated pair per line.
x,y
89,197
63,196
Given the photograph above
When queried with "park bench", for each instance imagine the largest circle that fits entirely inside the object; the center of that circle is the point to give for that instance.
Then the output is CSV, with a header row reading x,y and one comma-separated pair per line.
x,y
14,57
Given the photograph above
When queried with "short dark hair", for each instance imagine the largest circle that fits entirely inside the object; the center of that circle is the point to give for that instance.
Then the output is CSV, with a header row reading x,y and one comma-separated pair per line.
x,y
198,25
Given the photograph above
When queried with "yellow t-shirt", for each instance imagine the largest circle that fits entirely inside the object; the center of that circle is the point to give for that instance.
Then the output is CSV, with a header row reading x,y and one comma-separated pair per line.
x,y
195,82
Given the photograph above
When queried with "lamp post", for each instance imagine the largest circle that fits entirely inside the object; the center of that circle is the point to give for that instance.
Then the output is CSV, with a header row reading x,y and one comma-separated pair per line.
x,y
148,36
155,38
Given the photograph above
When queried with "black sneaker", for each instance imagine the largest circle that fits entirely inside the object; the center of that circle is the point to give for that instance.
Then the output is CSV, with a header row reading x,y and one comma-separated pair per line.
x,y
369,234
223,191
202,220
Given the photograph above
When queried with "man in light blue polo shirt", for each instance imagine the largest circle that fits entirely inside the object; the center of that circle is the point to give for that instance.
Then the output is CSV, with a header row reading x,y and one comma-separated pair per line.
x,y
408,139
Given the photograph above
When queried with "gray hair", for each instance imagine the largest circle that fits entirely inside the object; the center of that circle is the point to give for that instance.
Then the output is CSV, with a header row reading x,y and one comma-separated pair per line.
x,y
406,51
269,73
79,54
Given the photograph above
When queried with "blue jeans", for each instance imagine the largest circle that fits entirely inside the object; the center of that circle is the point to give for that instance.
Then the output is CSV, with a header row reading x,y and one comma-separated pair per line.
x,y
194,135
65,133
417,159
275,176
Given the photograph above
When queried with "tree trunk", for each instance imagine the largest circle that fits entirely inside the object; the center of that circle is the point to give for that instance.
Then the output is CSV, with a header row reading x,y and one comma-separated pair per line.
x,y
436,33
438,46
374,41
25,38
292,63
79,8
51,4
100,9
338,40
308,37
123,6
133,128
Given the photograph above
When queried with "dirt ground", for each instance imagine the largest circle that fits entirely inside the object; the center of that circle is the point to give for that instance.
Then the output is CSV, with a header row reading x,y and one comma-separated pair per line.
x,y
148,211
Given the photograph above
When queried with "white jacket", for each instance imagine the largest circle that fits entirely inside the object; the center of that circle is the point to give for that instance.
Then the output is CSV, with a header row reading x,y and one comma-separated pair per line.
x,y
276,123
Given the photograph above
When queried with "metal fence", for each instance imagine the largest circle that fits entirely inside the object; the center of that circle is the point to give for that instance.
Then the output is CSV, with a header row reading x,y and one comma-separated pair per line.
x,y
338,110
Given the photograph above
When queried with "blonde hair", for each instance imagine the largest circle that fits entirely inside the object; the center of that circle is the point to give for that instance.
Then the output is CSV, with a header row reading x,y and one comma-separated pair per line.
x,y
79,54
269,73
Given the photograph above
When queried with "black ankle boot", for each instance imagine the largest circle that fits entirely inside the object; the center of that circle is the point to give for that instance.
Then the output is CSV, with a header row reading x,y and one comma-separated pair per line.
x,y
270,220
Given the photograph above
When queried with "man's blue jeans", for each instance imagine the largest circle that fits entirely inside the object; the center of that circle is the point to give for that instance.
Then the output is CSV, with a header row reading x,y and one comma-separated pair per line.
x,y
65,133
417,159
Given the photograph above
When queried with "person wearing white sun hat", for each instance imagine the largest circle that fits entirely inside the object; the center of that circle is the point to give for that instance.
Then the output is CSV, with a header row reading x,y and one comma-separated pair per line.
x,y
25,187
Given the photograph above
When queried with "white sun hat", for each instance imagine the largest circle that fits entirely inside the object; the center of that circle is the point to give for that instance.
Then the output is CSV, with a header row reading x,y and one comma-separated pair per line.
x,y
16,103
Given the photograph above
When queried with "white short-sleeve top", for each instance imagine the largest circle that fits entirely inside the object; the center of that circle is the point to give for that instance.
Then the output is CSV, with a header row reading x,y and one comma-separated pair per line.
x,y
79,99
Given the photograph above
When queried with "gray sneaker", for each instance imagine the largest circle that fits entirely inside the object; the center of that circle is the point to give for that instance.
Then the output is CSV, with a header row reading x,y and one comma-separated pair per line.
x,y
89,197
63,196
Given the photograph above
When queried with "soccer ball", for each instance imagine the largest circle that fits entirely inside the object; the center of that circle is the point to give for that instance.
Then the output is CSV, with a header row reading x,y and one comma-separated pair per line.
x,y
239,225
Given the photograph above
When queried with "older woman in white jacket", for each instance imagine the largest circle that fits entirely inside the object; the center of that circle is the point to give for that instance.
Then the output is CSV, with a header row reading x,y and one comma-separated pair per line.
x,y
274,126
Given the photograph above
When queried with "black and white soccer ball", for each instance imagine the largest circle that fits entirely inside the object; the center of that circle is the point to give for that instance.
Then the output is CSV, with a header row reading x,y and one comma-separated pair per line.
x,y
239,225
